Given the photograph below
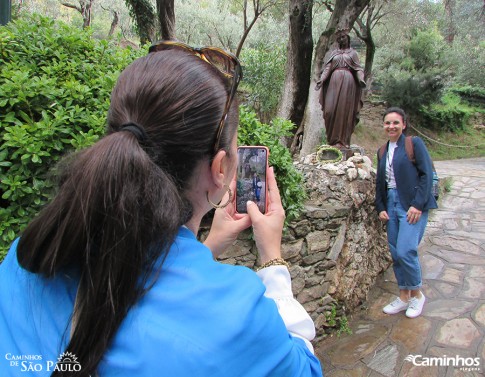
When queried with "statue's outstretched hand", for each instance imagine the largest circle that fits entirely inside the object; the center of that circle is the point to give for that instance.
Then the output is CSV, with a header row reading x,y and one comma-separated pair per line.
x,y
319,85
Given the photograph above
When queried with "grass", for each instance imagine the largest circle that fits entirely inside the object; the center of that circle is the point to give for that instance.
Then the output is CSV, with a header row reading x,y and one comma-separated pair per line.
x,y
469,143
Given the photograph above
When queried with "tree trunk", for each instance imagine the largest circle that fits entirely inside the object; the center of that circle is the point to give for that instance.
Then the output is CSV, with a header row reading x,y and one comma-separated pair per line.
x,y
86,12
166,18
144,16
299,62
84,8
114,23
451,32
370,51
343,17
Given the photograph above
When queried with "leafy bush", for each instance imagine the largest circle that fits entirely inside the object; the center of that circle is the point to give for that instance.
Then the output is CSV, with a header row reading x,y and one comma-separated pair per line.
x,y
411,91
417,77
471,94
426,48
450,114
467,56
56,82
290,181
264,76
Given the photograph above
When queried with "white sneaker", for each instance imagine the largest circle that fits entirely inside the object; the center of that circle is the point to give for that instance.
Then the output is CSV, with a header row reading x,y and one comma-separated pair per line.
x,y
415,306
396,306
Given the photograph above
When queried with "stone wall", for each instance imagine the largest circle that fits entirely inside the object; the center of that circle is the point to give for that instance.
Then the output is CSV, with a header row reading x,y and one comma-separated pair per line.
x,y
337,247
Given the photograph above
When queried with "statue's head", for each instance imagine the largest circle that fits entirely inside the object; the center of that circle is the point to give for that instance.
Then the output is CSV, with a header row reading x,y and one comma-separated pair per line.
x,y
342,37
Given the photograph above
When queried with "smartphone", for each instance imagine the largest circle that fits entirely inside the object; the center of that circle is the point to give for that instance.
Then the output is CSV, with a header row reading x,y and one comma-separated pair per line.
x,y
252,182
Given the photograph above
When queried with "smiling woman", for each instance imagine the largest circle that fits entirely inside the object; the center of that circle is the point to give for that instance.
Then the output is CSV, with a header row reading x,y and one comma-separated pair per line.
x,y
403,198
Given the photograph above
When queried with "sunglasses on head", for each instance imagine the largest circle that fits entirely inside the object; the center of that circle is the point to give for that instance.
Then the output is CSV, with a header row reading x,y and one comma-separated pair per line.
x,y
227,63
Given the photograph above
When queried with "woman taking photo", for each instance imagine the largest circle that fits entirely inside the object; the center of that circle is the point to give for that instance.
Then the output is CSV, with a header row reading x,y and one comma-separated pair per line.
x,y
403,198
111,273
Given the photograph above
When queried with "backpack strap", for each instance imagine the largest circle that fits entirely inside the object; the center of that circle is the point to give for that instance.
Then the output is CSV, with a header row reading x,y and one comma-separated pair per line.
x,y
408,145
381,151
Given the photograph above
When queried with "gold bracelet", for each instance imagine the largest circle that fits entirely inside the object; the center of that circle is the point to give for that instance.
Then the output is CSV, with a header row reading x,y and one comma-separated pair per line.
x,y
274,262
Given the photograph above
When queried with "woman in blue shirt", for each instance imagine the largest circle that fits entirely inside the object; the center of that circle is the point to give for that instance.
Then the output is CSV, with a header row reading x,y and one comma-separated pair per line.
x,y
110,279
403,198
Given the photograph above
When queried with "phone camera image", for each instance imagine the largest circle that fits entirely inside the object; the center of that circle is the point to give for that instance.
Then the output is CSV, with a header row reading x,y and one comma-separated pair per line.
x,y
251,178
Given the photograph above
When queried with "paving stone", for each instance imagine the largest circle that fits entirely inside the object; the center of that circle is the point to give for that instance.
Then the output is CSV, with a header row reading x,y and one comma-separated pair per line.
x,y
357,372
457,372
461,203
457,244
447,309
478,228
429,291
475,288
410,370
483,356
466,234
447,290
431,266
385,361
479,316
460,332
412,333
477,194
348,350
449,351
451,256
451,275
450,224
375,310
479,216
477,272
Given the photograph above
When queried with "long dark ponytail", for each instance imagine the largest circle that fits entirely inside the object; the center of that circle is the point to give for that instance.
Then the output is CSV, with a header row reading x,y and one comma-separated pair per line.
x,y
121,202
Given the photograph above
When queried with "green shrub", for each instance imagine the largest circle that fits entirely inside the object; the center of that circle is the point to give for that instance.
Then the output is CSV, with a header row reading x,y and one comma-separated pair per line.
x,y
290,181
56,82
264,76
416,76
472,94
412,90
450,114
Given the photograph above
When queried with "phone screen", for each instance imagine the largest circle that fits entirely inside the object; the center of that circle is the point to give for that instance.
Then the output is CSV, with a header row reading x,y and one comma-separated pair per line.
x,y
251,177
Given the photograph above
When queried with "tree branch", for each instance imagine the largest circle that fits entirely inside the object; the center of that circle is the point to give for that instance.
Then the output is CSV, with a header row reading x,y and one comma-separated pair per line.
x,y
72,6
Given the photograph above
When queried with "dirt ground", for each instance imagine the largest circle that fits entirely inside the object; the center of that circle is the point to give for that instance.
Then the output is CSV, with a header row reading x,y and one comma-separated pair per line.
x,y
369,133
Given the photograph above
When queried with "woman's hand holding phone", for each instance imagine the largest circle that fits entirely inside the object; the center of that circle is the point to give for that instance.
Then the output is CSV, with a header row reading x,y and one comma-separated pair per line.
x,y
226,225
268,228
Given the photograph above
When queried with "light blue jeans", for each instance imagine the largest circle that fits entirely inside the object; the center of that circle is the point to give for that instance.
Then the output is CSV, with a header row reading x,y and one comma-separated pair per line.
x,y
403,239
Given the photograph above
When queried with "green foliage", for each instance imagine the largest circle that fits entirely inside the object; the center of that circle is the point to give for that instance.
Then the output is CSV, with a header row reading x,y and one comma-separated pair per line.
x,y
264,76
333,320
56,82
411,90
426,49
290,181
344,326
467,57
415,79
471,94
446,184
450,114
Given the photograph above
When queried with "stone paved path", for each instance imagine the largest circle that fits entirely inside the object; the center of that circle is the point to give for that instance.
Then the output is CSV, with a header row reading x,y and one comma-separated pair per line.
x,y
452,326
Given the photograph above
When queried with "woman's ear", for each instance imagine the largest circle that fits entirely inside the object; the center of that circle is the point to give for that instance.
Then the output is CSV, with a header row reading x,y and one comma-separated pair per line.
x,y
218,168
